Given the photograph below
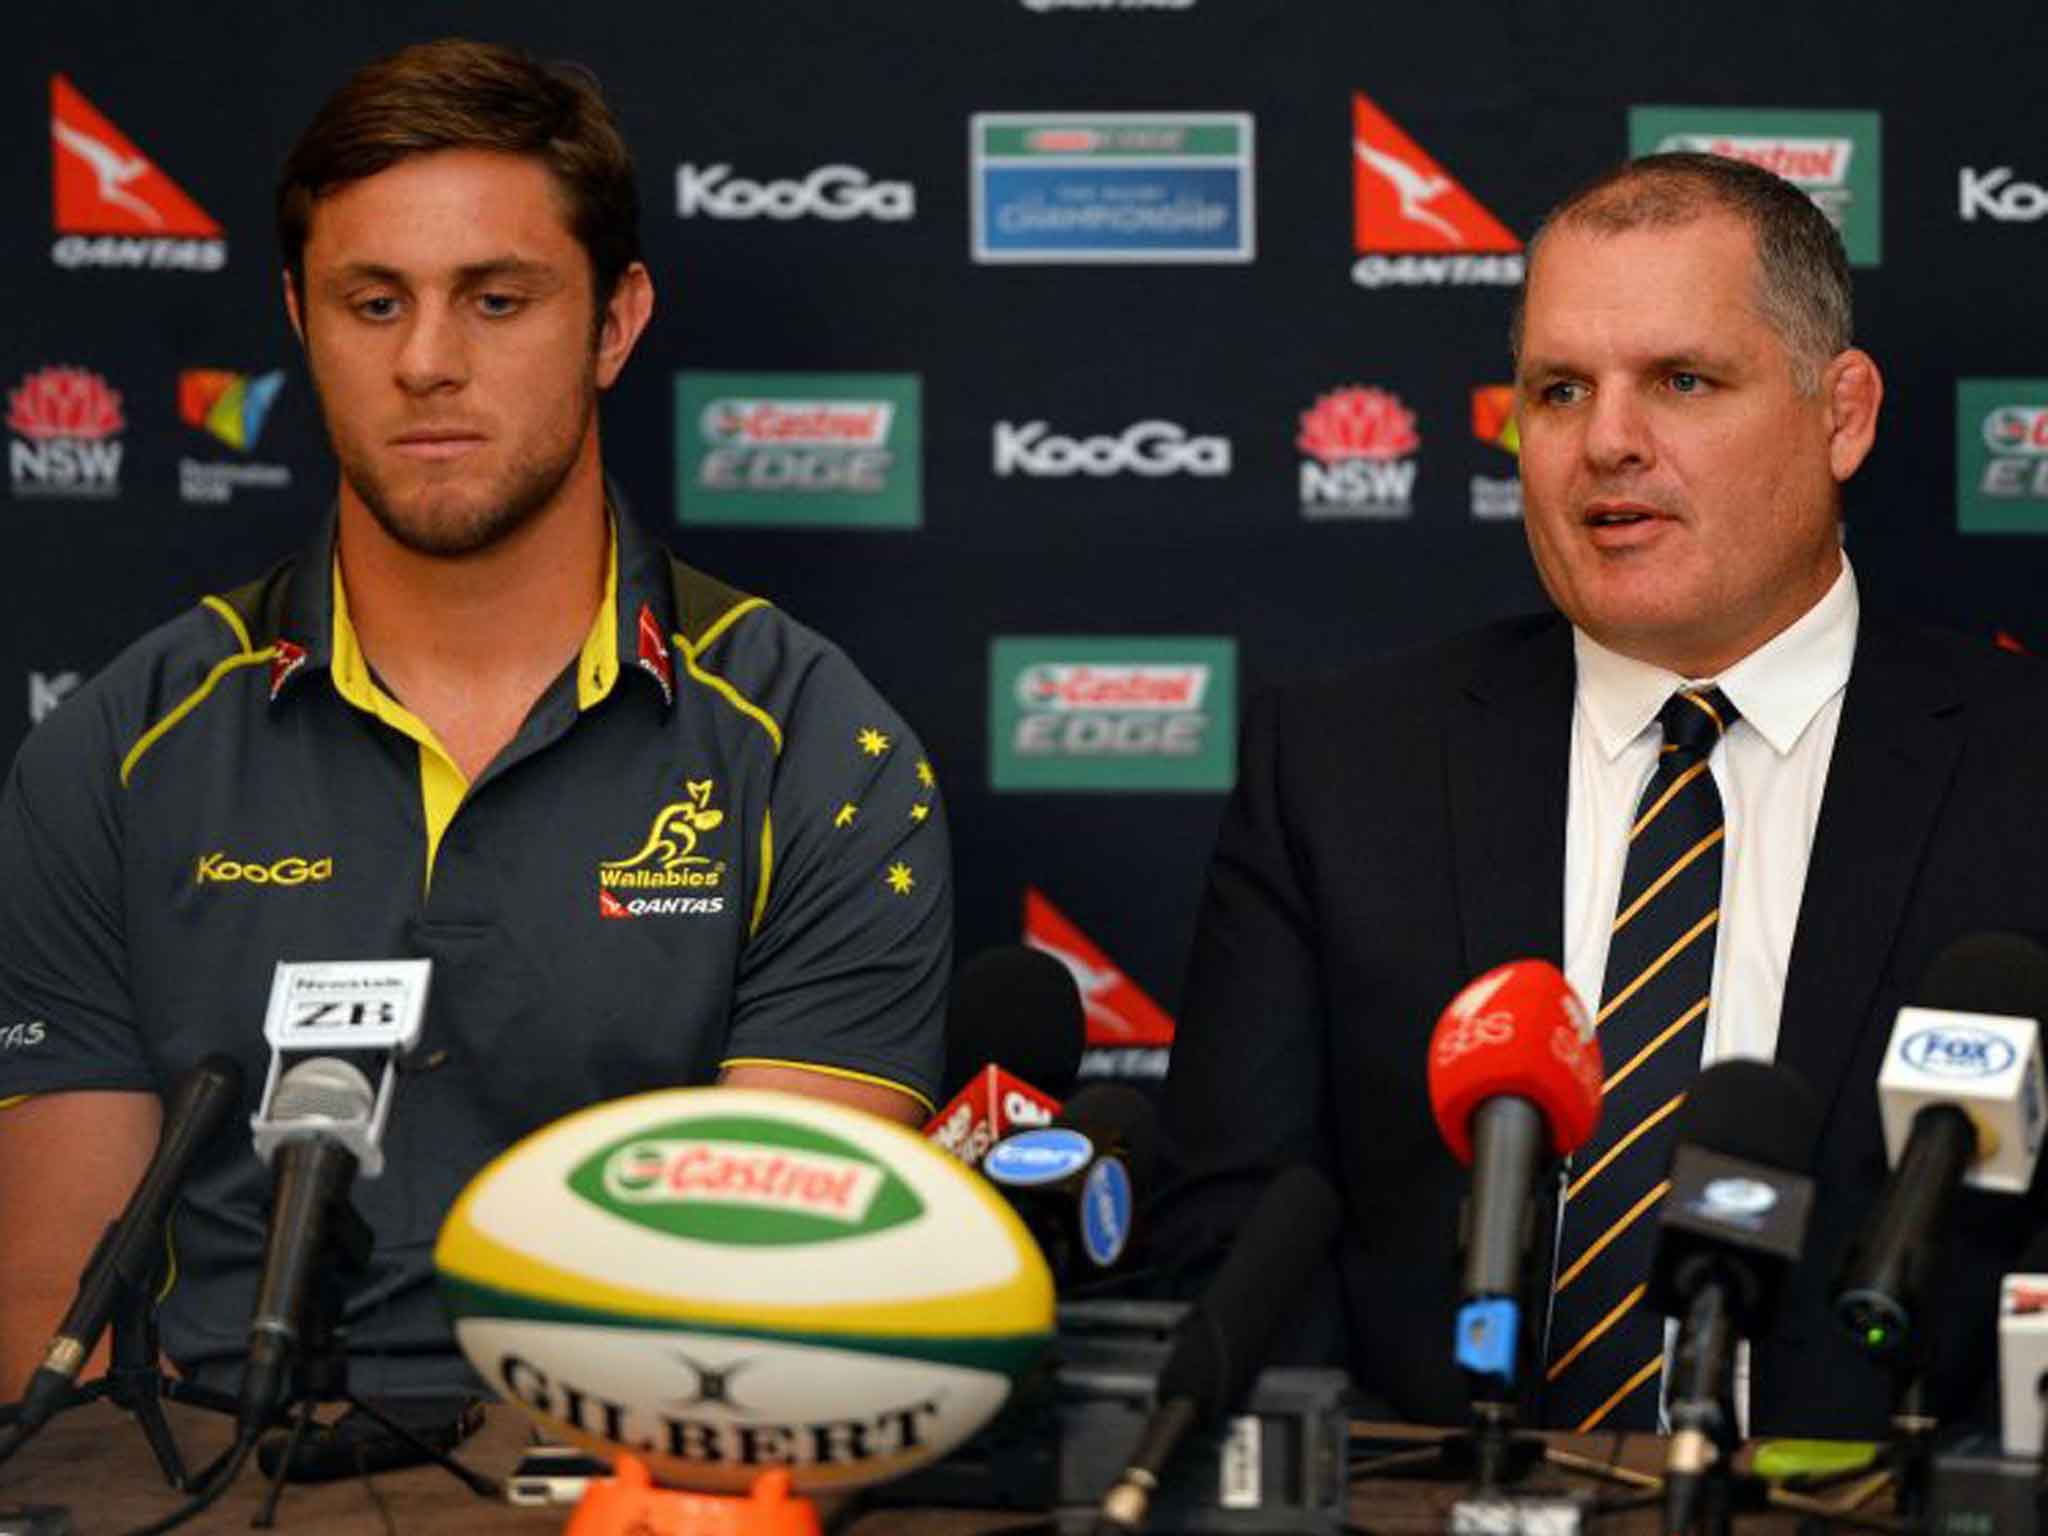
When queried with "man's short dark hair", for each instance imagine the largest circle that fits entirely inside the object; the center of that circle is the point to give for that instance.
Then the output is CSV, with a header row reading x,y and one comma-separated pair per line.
x,y
1803,284
457,94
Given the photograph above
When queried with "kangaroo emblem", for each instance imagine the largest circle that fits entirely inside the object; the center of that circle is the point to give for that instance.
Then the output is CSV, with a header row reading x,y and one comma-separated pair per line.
x,y
673,838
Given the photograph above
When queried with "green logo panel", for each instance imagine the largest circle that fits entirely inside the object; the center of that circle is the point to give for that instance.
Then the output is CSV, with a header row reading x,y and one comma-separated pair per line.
x,y
2002,455
745,1180
799,450
1834,157
1109,714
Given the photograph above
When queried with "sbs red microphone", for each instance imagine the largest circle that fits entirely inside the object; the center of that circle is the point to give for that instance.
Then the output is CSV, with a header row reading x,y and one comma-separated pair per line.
x,y
1519,1032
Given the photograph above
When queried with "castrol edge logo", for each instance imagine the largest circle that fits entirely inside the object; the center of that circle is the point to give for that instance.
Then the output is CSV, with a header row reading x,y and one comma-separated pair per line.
x,y
1067,687
746,1181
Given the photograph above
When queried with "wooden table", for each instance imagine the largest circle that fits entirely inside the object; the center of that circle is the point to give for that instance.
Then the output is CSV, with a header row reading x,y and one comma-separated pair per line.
x,y
95,1462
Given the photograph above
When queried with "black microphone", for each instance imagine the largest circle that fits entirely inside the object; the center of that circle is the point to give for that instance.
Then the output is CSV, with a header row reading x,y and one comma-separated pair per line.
x,y
1966,1088
130,1248
1018,1008
1077,1183
321,1111
1731,1226
1219,1346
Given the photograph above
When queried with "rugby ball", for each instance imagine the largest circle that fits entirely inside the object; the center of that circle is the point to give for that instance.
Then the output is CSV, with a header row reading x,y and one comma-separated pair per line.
x,y
725,1280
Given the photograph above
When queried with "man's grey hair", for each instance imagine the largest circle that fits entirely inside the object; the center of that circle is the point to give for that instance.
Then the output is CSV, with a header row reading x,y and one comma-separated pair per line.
x,y
1803,288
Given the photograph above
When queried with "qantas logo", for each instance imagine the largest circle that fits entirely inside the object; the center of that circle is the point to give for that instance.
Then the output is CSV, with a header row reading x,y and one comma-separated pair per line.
x,y
1415,226
111,205
1128,1033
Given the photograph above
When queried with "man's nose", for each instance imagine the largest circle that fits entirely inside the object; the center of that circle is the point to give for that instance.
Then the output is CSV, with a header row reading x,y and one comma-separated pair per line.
x,y
1618,434
434,355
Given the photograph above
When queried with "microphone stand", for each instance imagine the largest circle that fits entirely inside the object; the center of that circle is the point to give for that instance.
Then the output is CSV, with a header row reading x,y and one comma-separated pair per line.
x,y
320,1370
133,1382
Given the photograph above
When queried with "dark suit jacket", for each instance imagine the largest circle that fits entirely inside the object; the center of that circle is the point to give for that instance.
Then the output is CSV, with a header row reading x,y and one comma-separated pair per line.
x,y
1399,831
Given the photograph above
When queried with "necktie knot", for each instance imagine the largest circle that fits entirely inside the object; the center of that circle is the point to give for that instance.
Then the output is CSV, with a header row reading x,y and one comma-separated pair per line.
x,y
1695,718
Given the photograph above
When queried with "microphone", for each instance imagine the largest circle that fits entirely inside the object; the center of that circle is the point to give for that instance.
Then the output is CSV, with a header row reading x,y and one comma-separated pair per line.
x,y
1219,1345
1514,1080
1729,1229
131,1246
2023,1355
323,1110
1961,1097
1077,1182
1014,1034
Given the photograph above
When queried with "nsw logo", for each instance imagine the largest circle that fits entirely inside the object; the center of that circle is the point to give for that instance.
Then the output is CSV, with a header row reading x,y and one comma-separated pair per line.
x,y
1149,448
1957,1051
66,426
1358,445
834,192
748,1181
1042,1156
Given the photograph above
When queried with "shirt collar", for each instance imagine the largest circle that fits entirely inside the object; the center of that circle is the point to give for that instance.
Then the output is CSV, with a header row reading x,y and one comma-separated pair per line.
x,y
1778,688
629,633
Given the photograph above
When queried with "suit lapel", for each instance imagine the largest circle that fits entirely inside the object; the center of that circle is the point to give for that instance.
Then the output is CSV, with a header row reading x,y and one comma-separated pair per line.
x,y
1507,771
1895,756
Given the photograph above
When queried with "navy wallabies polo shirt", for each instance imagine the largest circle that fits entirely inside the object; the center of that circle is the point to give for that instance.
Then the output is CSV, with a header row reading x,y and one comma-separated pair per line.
x,y
711,842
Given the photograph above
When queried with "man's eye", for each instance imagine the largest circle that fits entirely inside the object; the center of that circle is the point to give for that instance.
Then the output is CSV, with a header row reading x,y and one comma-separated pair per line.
x,y
1688,383
499,303
1562,392
380,306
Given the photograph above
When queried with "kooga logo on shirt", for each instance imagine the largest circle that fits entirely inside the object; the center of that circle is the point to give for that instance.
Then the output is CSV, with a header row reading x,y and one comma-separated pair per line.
x,y
1092,712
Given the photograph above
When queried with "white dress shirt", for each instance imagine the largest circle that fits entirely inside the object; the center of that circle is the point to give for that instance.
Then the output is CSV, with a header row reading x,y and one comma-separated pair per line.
x,y
1771,769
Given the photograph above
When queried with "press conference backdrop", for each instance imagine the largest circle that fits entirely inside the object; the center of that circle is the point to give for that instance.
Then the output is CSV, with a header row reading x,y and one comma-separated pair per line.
x,y
1081,366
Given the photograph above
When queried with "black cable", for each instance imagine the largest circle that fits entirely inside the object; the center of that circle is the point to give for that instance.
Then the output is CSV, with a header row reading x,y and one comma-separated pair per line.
x,y
370,1487
208,1496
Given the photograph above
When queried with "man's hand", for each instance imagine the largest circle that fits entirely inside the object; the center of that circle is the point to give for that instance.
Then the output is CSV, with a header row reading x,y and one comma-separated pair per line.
x,y
68,1163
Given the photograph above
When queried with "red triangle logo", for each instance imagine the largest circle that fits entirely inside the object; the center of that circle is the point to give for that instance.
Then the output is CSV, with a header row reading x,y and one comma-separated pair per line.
x,y
1404,201
609,905
103,185
1119,1012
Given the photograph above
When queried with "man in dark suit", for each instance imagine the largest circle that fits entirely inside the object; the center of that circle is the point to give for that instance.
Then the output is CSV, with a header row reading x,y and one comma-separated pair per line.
x,y
1689,406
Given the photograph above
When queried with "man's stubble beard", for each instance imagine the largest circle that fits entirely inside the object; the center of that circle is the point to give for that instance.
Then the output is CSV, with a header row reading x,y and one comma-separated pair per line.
x,y
443,529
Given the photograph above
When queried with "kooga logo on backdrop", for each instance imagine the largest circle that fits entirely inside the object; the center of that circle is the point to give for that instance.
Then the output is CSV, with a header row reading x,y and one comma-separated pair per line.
x,y
1149,448
835,192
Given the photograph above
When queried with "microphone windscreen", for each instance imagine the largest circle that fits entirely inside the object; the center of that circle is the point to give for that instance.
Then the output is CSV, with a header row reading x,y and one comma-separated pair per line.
x,y
323,1085
1225,1338
1120,1118
1520,1032
1020,1009
1757,1111
1997,973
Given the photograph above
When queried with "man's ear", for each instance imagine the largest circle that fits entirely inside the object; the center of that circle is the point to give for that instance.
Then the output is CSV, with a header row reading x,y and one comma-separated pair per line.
x,y
291,306
626,314
1853,390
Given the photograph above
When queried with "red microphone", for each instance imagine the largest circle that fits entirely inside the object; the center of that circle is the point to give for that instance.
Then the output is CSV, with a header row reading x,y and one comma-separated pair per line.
x,y
1514,1079
993,1104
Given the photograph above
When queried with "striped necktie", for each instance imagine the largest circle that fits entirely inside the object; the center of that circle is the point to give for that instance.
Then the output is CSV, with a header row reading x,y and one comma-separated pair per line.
x,y
1606,1343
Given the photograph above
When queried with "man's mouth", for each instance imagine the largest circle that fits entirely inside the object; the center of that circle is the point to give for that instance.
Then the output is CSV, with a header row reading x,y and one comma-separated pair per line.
x,y
1620,517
